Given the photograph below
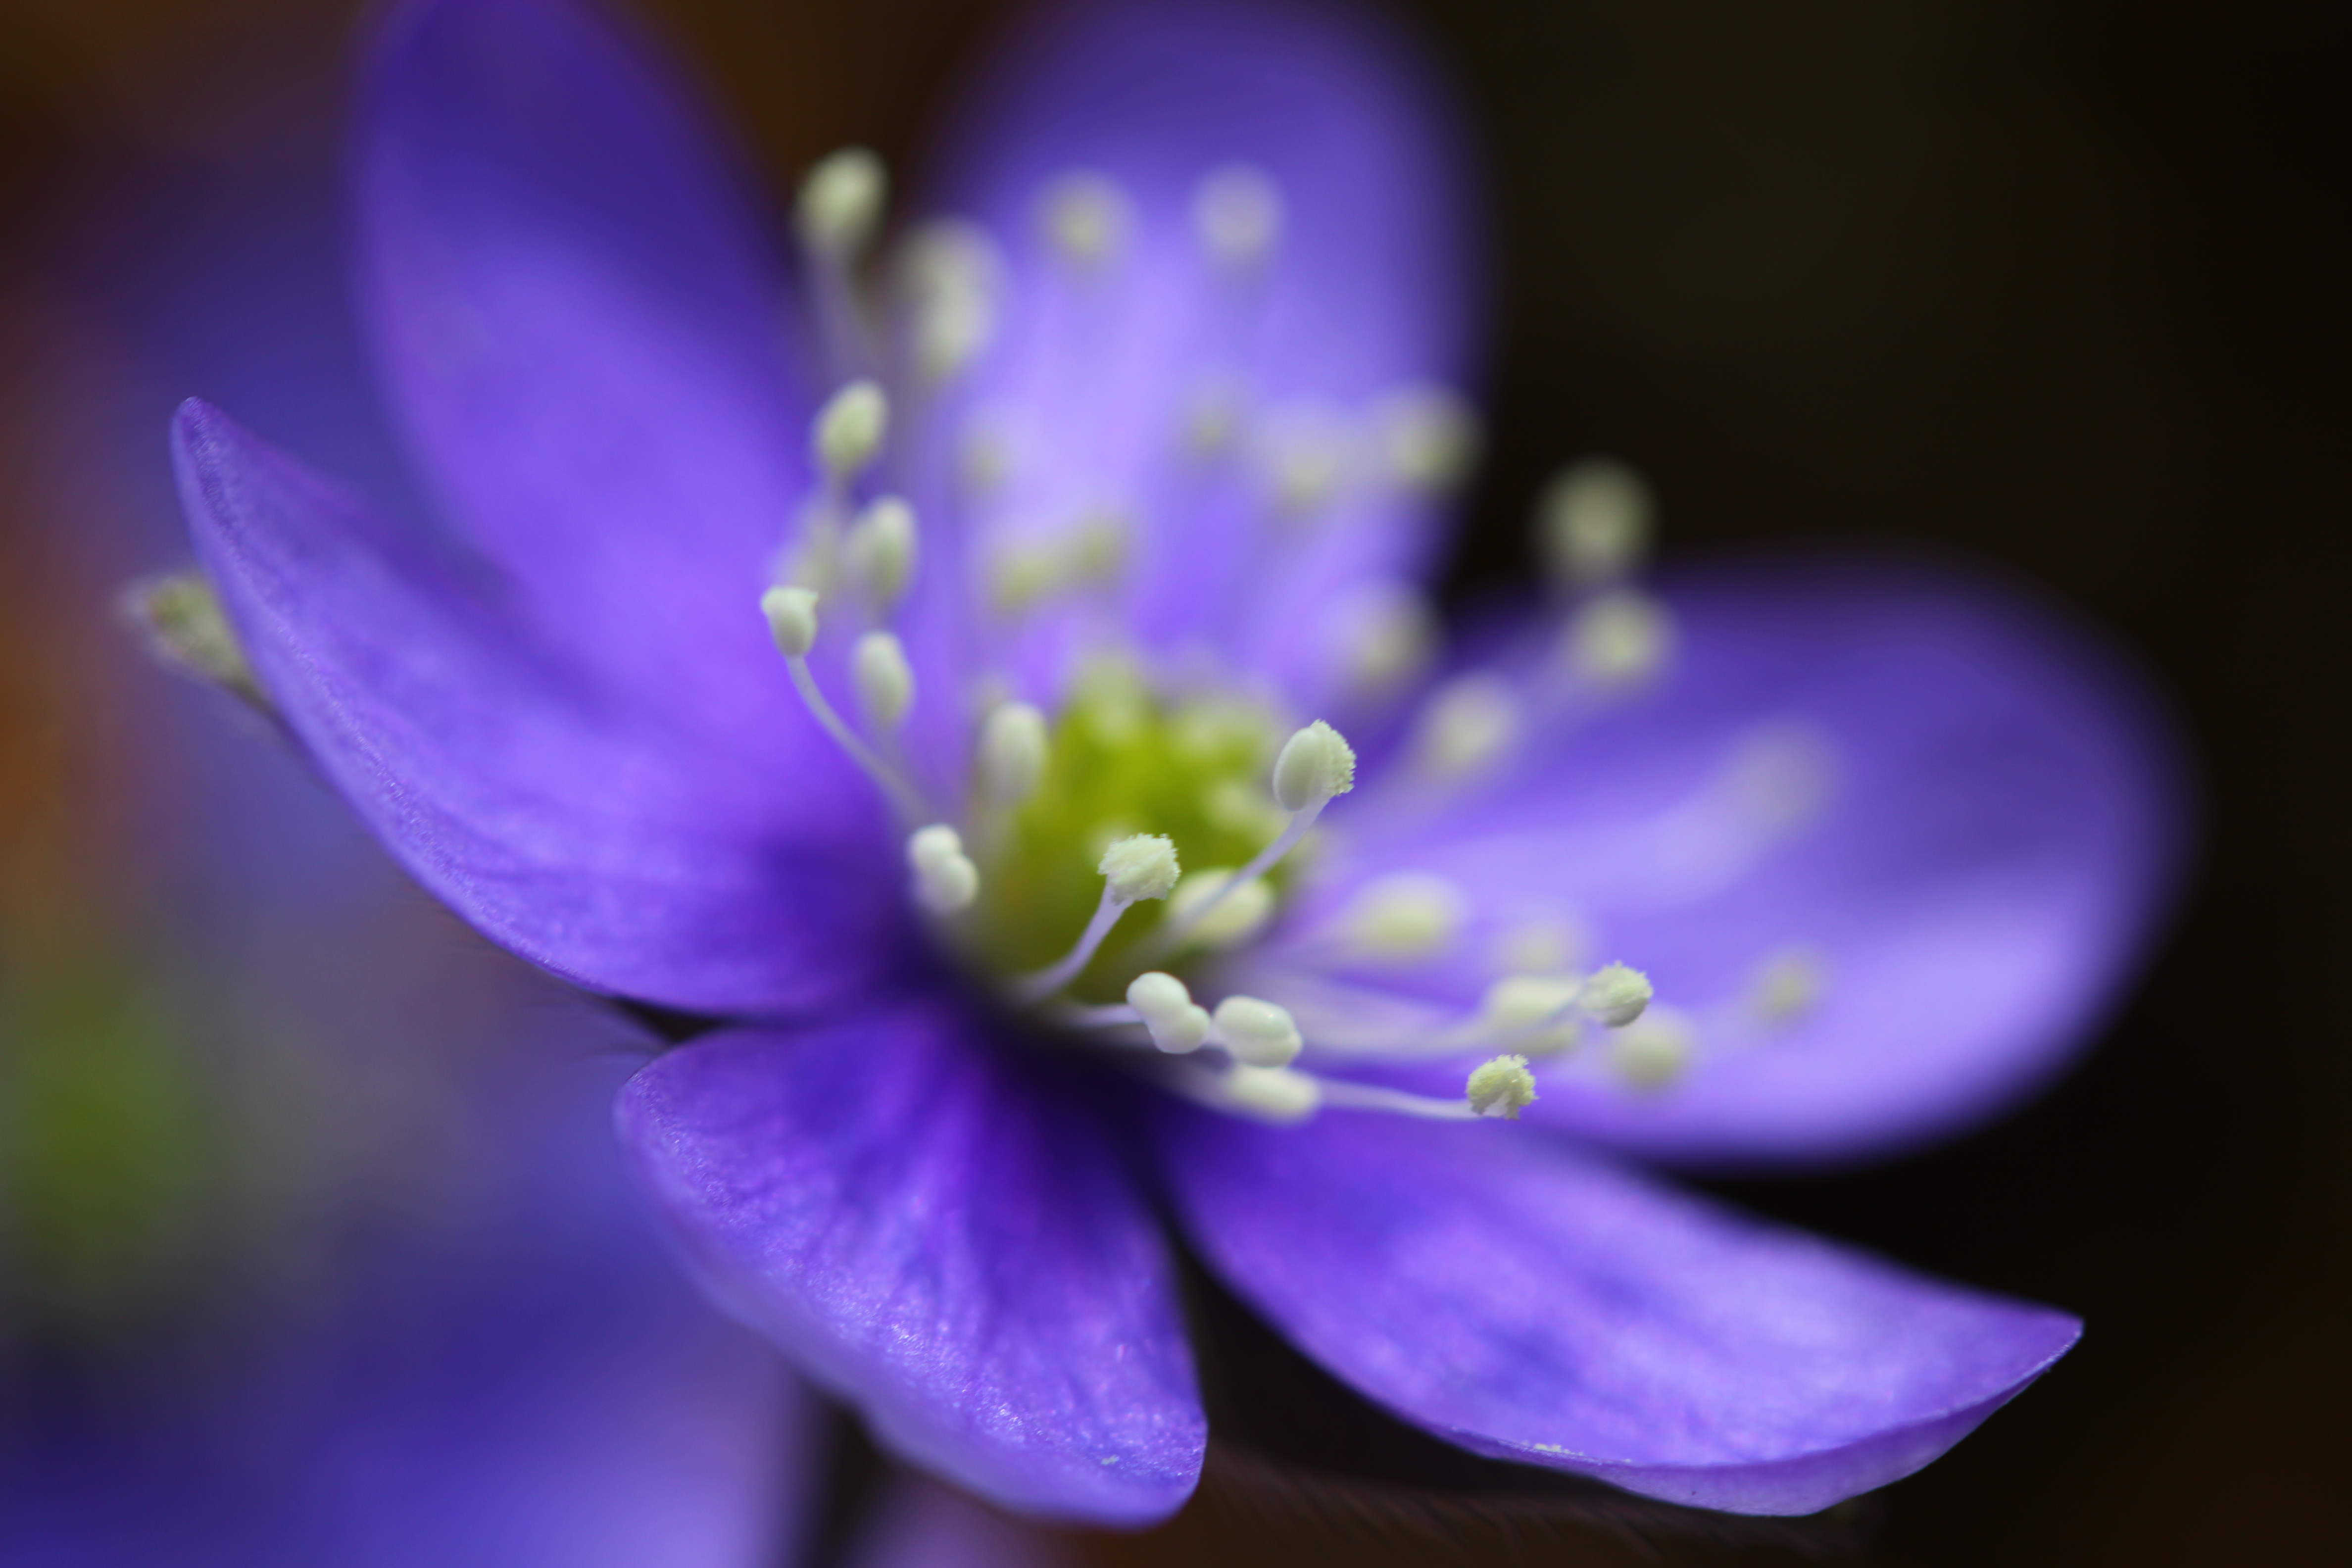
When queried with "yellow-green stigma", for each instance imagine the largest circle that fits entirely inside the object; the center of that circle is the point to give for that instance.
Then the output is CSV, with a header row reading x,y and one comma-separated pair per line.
x,y
1121,761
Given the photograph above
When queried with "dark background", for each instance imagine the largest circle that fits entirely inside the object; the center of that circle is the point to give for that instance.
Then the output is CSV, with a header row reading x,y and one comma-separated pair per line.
x,y
2054,284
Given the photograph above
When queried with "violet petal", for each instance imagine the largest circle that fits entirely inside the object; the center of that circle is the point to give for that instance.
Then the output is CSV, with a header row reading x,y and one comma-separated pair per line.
x,y
943,1238
592,837
1997,827
1374,284
576,319
1528,1303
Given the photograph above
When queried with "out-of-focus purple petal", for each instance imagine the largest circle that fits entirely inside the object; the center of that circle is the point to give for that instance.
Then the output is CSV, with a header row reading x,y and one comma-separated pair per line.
x,y
1520,1300
520,1379
592,837
1375,284
576,319
938,1232
1967,814
918,1523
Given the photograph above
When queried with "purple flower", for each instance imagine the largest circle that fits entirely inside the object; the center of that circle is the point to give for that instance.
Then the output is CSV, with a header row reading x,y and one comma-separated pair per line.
x,y
1121,470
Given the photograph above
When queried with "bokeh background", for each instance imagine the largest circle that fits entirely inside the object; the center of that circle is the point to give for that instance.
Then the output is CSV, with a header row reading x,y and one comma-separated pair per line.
x,y
2054,285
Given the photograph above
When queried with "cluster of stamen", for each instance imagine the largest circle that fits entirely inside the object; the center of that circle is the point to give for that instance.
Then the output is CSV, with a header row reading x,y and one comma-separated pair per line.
x,y
1140,821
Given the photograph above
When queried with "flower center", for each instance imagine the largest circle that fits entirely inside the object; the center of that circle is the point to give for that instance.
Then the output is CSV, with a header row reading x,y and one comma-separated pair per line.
x,y
1123,762
1101,858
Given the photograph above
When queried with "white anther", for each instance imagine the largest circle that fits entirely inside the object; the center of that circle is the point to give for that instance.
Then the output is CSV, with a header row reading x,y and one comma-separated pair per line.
x,y
1023,572
985,457
886,686
1237,215
1179,1025
945,879
881,547
1020,575
1429,438
949,274
1655,1051
1096,552
1236,916
179,615
1259,1034
1621,639
849,431
1270,1094
1544,946
1305,454
1141,866
841,202
1086,218
1388,635
791,619
1787,985
1534,1012
1407,916
1614,995
1315,764
1472,720
1212,419
1594,524
1012,752
1502,1087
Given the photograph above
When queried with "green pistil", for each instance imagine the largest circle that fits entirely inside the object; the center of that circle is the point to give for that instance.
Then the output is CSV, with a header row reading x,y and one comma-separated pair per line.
x,y
1122,761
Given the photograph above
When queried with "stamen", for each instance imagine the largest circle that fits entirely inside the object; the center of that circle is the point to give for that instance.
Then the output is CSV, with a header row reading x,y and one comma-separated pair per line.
x,y
1594,524
1259,1034
1535,1013
1501,1086
1306,456
985,457
1212,419
791,619
1620,640
1236,916
840,204
948,275
1787,985
1472,720
792,622
886,685
946,880
1237,215
1543,946
1141,866
1315,764
1013,753
1614,995
1179,1025
1025,573
1406,917
1270,1094
1389,635
1656,1051
1086,218
881,550
1352,1096
1429,438
179,615
849,431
